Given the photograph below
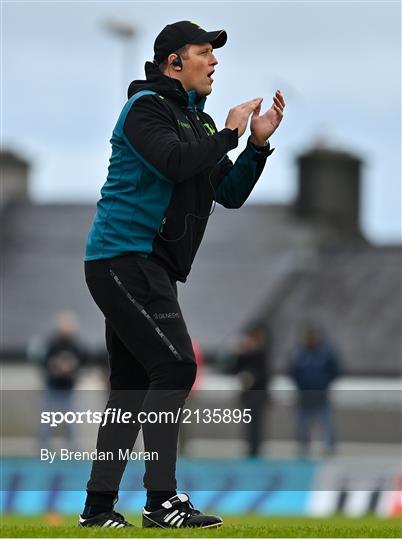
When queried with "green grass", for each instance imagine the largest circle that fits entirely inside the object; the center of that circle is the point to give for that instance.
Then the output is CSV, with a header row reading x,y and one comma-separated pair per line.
x,y
246,526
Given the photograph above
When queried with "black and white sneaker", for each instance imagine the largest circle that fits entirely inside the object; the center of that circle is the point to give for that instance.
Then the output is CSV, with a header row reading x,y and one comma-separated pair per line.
x,y
111,519
179,512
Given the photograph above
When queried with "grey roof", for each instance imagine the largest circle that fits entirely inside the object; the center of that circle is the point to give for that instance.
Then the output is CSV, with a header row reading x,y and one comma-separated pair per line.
x,y
43,247
258,260
355,295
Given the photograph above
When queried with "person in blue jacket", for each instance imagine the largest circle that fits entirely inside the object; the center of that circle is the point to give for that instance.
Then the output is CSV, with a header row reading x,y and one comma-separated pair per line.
x,y
314,366
168,168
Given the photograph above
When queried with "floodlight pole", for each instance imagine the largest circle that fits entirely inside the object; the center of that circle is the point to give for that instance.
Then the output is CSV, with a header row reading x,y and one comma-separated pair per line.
x,y
125,32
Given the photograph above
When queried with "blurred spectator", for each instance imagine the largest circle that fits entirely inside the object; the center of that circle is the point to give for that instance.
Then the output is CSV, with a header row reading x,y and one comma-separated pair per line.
x,y
314,365
60,358
249,360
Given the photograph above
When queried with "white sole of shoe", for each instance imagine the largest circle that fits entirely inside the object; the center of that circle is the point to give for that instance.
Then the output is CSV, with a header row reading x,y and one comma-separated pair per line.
x,y
159,526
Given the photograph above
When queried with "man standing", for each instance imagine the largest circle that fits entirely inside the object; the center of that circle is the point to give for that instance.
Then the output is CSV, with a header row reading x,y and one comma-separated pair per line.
x,y
168,167
314,366
250,362
60,357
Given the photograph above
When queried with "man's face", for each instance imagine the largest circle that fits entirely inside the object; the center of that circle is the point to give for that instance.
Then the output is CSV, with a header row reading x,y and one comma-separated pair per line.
x,y
198,64
311,338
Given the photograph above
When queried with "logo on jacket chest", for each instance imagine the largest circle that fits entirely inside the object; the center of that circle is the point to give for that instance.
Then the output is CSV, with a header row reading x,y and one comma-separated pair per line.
x,y
207,126
209,129
184,124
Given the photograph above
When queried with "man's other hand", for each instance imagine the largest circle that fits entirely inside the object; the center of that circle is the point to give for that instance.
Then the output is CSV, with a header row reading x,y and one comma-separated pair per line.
x,y
262,127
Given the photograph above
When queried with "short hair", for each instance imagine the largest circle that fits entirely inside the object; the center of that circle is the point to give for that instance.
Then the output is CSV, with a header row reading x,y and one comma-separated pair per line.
x,y
182,52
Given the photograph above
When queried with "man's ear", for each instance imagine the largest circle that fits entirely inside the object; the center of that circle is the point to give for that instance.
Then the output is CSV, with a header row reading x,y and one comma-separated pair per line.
x,y
176,62
170,58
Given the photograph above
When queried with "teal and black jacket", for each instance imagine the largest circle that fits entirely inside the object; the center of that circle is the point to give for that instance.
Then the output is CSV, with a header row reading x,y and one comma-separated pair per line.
x,y
168,165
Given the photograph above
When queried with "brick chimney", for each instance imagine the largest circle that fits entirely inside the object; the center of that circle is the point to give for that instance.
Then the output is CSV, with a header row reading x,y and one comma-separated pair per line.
x,y
329,188
14,173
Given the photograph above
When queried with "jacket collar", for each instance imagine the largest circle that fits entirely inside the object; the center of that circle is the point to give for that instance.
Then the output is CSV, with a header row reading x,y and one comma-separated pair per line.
x,y
195,101
168,88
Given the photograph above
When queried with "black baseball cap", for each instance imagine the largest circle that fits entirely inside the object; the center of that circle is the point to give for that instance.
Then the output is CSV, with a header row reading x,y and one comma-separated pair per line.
x,y
176,35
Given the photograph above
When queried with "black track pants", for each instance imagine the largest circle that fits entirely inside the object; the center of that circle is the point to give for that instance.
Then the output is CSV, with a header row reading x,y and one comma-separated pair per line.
x,y
152,366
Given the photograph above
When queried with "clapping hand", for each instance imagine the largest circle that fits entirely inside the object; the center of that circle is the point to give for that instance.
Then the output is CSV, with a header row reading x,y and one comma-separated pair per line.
x,y
262,127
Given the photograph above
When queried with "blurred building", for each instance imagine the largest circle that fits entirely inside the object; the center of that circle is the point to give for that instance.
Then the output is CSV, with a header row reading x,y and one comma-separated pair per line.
x,y
14,178
280,263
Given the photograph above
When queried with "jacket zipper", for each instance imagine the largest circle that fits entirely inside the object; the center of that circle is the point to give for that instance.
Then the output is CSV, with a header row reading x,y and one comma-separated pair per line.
x,y
195,130
199,136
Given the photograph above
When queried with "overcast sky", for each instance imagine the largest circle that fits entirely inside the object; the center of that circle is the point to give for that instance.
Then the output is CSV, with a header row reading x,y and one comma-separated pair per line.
x,y
338,65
